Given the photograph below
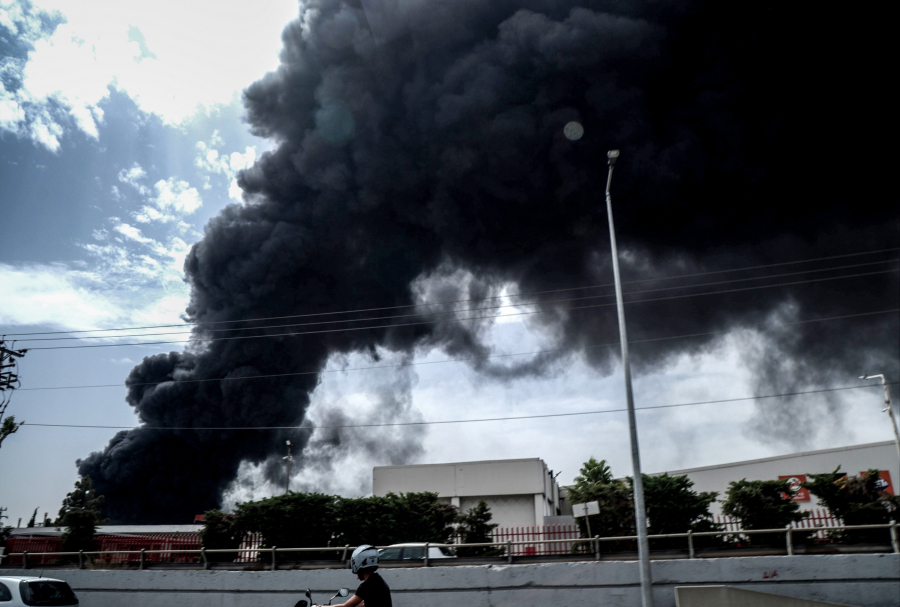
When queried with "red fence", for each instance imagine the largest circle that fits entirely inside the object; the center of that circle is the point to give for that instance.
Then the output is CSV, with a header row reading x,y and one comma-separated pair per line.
x,y
34,543
109,543
166,542
534,533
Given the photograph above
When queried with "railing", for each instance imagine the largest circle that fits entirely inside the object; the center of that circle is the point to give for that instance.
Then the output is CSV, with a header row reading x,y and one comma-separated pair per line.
x,y
584,548
536,536
818,519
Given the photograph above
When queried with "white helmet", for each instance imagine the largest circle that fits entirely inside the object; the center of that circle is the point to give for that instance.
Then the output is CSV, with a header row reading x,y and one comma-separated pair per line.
x,y
364,557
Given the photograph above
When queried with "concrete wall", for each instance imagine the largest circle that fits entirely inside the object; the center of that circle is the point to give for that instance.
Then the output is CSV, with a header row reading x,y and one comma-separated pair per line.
x,y
726,596
861,580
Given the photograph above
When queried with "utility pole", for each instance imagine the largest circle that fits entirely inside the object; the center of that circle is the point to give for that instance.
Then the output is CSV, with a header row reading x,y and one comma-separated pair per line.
x,y
888,409
287,478
640,511
9,381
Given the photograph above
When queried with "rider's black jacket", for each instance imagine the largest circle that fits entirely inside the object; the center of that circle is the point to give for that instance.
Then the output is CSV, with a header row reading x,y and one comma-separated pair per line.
x,y
375,592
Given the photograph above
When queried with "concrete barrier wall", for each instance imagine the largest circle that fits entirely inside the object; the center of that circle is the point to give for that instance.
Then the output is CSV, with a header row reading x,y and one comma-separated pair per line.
x,y
727,596
863,580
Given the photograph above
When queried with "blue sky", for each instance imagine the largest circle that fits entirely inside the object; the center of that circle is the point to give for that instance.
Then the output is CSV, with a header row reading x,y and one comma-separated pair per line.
x,y
121,134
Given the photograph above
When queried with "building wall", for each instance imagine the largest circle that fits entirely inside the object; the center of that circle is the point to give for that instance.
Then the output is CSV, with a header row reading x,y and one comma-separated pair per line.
x,y
852,460
518,491
512,510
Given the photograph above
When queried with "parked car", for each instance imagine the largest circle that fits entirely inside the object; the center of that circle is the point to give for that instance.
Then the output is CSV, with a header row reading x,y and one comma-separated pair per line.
x,y
413,551
18,590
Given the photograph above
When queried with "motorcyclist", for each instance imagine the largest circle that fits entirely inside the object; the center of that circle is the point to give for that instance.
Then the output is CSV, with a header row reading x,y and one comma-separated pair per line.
x,y
373,592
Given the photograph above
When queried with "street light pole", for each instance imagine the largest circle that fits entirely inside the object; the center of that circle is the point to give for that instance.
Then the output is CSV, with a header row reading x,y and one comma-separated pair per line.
x,y
287,476
639,507
887,401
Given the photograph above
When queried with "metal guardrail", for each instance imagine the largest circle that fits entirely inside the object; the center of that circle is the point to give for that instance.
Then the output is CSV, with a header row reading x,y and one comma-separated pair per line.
x,y
593,542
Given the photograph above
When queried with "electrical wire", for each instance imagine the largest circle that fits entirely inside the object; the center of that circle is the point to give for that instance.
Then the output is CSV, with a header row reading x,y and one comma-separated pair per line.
x,y
454,312
677,277
395,325
463,421
451,360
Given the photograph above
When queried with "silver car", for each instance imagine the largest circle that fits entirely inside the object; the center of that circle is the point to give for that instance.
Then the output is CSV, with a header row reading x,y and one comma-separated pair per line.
x,y
19,590
413,551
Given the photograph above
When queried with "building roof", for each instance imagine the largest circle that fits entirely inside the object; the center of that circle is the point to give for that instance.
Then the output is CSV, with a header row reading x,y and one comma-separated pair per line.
x,y
781,457
113,530
486,461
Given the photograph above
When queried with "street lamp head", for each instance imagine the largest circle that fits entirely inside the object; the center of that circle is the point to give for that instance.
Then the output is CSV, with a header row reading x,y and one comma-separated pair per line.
x,y
288,442
612,155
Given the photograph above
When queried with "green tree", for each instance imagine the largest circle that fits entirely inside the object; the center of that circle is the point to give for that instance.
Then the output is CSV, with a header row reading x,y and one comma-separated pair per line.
x,y
80,514
393,519
219,533
5,533
9,426
596,483
674,507
764,505
475,527
292,520
856,500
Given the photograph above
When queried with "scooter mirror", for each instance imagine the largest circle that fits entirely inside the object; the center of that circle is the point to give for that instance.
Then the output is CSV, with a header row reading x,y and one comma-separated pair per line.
x,y
343,592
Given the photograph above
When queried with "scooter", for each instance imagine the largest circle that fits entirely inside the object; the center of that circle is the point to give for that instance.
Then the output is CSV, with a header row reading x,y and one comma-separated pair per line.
x,y
307,602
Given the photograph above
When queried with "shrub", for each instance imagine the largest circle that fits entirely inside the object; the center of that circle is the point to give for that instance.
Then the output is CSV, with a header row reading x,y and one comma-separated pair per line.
x,y
764,505
856,500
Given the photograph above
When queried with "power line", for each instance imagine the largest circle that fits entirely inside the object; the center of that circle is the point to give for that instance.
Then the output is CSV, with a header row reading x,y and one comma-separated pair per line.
x,y
678,277
395,325
479,309
451,360
464,421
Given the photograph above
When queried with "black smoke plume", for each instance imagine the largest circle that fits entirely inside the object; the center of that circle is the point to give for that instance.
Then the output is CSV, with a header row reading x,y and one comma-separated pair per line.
x,y
422,141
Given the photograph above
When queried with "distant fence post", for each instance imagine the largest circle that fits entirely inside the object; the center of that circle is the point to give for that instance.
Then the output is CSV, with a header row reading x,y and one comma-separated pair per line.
x,y
274,565
789,538
509,554
596,547
203,557
81,559
690,543
25,559
895,543
143,558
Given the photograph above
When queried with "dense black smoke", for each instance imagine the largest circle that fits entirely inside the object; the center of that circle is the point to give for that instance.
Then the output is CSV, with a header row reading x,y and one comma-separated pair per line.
x,y
423,145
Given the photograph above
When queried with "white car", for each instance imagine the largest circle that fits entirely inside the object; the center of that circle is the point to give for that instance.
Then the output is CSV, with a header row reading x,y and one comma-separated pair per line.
x,y
413,551
18,590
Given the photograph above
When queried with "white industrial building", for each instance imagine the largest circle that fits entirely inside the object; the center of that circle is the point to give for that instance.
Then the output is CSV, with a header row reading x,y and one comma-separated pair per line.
x,y
519,492
524,492
852,460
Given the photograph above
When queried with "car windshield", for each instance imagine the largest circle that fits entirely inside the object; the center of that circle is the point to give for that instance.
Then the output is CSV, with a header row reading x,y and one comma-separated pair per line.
x,y
417,552
45,592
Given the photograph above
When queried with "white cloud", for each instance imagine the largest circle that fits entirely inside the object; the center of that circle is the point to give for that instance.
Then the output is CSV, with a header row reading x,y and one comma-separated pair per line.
x,y
177,196
174,197
172,58
133,177
211,160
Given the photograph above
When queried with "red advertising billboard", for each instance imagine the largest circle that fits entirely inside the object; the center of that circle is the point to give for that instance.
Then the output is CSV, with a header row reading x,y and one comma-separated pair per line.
x,y
884,481
800,494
